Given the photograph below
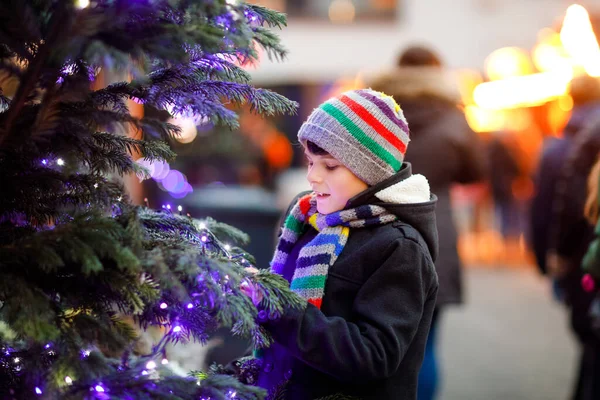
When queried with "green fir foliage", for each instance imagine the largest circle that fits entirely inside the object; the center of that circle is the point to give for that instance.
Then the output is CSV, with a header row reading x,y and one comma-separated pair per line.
x,y
82,270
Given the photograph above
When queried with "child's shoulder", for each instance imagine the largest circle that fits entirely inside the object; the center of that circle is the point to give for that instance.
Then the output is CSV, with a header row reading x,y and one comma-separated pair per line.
x,y
394,234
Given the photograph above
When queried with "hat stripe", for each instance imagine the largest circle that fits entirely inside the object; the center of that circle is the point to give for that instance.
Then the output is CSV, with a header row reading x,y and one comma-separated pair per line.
x,y
358,134
385,109
366,116
384,120
379,139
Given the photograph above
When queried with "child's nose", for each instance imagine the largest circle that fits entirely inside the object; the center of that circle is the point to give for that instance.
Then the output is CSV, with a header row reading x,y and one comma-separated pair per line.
x,y
313,176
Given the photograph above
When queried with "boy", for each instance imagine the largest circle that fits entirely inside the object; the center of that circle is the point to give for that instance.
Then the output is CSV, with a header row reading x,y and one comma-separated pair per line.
x,y
360,249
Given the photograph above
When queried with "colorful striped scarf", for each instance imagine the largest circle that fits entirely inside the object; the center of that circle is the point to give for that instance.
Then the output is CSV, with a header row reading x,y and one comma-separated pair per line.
x,y
318,255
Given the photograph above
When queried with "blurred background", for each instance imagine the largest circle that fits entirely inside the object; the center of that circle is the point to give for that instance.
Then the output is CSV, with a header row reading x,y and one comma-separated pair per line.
x,y
511,64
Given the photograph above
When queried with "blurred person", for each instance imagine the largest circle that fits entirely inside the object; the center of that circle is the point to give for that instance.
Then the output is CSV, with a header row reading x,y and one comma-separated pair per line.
x,y
447,151
504,172
585,92
569,237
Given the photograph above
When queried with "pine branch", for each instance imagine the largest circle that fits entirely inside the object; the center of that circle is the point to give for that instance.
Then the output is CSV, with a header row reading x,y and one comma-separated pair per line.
x,y
18,27
270,43
266,16
34,70
79,266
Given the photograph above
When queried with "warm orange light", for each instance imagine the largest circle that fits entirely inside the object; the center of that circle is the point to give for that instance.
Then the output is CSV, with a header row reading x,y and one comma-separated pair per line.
x,y
565,103
558,114
522,91
467,82
486,120
549,54
579,39
508,62
481,120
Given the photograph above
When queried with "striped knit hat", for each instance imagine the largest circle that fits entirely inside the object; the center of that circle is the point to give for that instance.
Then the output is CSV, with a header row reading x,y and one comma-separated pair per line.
x,y
363,129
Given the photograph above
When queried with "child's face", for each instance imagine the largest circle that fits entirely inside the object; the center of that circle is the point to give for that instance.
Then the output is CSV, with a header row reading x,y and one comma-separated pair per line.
x,y
333,183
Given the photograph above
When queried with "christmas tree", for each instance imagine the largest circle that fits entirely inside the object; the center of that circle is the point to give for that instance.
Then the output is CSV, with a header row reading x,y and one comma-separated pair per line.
x,y
82,269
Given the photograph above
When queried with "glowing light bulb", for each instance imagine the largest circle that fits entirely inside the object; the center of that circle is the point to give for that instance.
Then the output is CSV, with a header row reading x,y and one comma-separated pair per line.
x,y
163,305
68,380
60,162
177,329
38,391
164,361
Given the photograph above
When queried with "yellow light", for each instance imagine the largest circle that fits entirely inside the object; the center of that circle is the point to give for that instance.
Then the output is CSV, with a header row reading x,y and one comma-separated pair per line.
x,y
565,103
342,11
485,120
522,91
481,120
467,81
579,39
548,58
558,115
82,3
508,62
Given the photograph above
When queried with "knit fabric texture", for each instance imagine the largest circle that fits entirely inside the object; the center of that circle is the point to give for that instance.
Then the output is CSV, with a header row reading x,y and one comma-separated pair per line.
x,y
319,254
363,129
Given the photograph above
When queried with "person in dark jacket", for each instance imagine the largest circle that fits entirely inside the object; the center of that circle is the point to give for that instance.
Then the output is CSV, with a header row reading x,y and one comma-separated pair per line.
x,y
560,233
360,249
446,151
585,92
569,237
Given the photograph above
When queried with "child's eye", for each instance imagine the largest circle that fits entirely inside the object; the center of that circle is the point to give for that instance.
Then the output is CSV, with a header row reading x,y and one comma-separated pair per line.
x,y
310,163
331,167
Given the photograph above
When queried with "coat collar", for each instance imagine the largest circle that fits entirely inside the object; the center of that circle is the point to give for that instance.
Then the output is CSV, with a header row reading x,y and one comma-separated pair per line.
x,y
368,195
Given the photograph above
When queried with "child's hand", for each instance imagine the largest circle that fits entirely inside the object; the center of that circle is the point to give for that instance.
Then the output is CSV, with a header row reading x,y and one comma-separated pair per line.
x,y
250,289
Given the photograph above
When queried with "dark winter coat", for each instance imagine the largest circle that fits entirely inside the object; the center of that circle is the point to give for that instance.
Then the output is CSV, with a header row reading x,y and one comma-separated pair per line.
x,y
369,337
551,166
569,232
444,149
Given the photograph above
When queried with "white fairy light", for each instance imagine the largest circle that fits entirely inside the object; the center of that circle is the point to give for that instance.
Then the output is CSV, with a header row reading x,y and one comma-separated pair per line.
x,y
82,3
